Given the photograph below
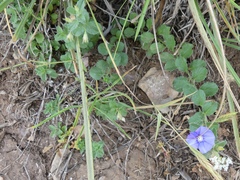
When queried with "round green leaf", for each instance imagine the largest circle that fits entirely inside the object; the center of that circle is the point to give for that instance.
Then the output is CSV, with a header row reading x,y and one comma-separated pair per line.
x,y
189,89
209,88
99,70
120,47
153,48
179,83
209,107
147,37
149,23
129,32
102,49
186,50
170,66
114,31
39,37
196,121
197,63
199,98
166,56
199,74
181,64
163,30
169,41
117,60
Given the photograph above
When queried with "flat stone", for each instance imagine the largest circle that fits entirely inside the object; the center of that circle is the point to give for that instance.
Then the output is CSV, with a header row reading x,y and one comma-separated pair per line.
x,y
158,87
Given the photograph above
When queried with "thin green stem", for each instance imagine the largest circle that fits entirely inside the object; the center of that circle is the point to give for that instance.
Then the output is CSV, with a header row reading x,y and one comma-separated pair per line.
x,y
234,123
87,130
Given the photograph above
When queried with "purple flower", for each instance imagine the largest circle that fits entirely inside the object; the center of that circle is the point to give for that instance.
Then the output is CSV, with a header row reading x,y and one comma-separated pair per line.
x,y
202,139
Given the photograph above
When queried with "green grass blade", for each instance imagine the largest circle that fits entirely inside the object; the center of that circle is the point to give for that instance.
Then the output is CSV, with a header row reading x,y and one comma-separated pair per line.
x,y
54,115
87,128
234,4
140,22
4,4
226,21
23,21
234,123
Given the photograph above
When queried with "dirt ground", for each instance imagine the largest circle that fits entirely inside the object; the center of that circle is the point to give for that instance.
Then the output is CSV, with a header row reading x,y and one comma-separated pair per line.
x,y
32,154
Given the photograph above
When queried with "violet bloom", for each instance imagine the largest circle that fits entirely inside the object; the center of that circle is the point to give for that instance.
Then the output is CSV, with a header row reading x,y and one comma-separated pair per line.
x,y
202,139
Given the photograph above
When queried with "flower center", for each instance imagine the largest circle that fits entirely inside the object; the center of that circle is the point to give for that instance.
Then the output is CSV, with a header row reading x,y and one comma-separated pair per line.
x,y
200,138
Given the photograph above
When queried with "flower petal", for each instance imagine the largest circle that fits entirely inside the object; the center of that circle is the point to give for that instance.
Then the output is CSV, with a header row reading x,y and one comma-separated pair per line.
x,y
209,137
192,140
202,130
204,147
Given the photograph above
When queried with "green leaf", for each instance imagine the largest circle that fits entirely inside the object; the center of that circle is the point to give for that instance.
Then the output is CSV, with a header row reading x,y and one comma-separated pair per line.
x,y
170,66
124,59
209,88
52,106
120,47
122,22
113,39
149,23
129,32
196,121
132,16
117,60
147,37
110,109
181,64
145,46
61,34
163,30
71,10
197,63
4,4
219,145
186,50
52,73
166,56
67,61
99,70
153,48
114,31
118,33
41,71
189,89
209,107
39,38
81,145
180,83
120,59
199,74
199,98
170,42
111,78
54,17
97,148
103,50
91,28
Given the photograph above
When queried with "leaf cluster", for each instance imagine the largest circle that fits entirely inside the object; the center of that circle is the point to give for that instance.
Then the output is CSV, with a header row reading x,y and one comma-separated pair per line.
x,y
103,68
97,148
59,131
111,110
